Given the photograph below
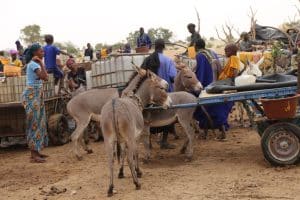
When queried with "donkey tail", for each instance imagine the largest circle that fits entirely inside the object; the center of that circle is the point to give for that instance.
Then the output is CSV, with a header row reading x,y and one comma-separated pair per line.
x,y
116,127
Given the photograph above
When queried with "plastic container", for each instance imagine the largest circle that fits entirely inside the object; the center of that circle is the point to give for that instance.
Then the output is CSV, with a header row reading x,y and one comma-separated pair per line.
x,y
282,108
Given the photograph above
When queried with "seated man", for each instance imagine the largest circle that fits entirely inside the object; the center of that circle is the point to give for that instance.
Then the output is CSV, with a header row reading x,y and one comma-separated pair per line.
x,y
217,112
14,59
76,77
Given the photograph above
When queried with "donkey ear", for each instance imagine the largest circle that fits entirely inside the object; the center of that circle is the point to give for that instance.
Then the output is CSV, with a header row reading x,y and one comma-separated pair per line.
x,y
135,67
150,74
260,61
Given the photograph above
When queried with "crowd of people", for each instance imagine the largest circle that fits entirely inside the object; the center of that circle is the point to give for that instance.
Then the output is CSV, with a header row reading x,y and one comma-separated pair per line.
x,y
41,61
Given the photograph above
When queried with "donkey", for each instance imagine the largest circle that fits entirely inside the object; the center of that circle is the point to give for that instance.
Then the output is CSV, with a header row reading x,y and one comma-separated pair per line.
x,y
85,107
122,119
185,81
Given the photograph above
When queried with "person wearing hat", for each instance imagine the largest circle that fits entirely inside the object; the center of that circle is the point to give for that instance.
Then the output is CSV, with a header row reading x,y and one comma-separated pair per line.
x,y
165,68
194,35
14,59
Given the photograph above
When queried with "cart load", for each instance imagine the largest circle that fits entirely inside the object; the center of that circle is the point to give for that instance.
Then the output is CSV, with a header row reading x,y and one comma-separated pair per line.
x,y
115,71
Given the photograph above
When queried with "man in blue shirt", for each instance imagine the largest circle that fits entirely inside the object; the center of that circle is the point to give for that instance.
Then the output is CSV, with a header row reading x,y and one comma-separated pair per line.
x,y
165,68
51,52
143,39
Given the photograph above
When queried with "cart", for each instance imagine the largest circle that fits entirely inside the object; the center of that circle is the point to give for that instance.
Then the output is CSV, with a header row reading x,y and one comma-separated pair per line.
x,y
280,139
12,113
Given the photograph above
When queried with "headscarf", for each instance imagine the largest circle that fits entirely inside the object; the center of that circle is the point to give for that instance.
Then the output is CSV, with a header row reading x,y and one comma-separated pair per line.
x,y
30,51
13,52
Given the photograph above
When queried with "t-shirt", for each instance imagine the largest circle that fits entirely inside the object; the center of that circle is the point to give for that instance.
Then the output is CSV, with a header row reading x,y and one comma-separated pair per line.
x,y
31,78
167,70
51,52
16,63
232,64
89,52
194,37
79,77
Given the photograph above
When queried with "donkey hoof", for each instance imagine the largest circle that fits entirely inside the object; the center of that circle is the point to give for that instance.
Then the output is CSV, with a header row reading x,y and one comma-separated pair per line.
x,y
110,191
139,174
137,186
79,158
90,151
188,159
182,150
121,175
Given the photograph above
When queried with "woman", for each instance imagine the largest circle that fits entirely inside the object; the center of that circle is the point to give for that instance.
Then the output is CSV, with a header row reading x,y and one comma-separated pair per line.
x,y
217,112
33,102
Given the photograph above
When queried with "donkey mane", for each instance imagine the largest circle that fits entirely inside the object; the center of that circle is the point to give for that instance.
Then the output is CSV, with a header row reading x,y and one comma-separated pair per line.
x,y
139,83
131,78
134,83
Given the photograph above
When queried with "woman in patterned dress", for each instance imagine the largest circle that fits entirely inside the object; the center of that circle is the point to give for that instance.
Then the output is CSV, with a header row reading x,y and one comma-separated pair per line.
x,y
33,103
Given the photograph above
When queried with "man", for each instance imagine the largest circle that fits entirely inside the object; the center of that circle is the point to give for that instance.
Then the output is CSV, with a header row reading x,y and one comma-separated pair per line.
x,y
14,58
194,35
76,77
20,49
165,68
247,44
51,52
143,39
89,51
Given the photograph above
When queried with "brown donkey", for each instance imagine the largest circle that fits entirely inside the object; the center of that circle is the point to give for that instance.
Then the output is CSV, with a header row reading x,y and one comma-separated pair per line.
x,y
85,107
122,119
185,81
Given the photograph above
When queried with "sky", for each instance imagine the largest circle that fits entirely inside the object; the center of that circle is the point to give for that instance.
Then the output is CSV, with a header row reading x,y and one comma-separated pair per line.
x,y
110,21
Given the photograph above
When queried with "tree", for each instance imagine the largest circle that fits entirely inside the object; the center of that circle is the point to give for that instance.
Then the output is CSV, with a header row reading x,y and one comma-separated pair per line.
x,y
154,33
31,34
131,39
228,33
99,46
162,33
69,47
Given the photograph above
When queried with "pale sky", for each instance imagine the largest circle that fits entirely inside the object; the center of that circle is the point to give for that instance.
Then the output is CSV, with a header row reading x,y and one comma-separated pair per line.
x,y
110,21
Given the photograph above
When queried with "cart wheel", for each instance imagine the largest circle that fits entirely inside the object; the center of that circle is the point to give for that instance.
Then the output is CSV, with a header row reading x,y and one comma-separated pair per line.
x,y
280,144
58,129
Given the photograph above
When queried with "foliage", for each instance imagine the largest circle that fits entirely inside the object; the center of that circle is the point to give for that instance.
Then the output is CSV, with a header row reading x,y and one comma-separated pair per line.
x,y
276,53
69,47
31,34
99,46
154,33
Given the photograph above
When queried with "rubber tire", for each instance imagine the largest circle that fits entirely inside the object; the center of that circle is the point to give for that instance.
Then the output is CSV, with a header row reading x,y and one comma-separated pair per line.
x,y
57,134
266,137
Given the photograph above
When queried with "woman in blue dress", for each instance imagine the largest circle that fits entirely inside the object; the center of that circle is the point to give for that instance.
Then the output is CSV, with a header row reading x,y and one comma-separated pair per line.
x,y
33,102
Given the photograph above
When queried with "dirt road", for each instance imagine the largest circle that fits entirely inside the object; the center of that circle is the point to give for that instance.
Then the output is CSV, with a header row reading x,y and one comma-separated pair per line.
x,y
234,169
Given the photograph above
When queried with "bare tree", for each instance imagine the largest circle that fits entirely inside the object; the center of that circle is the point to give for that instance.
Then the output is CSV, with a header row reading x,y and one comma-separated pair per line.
x,y
227,31
253,21
198,19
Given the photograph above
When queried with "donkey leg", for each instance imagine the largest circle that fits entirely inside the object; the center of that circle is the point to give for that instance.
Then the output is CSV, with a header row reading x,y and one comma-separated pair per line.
x,y
147,141
123,154
76,136
85,146
137,169
187,126
131,163
110,152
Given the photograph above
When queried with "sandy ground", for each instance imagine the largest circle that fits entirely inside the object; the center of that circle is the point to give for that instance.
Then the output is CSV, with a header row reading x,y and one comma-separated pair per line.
x,y
234,169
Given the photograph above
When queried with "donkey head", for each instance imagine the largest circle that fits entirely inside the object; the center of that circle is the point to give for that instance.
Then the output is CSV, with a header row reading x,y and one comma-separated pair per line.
x,y
187,80
157,90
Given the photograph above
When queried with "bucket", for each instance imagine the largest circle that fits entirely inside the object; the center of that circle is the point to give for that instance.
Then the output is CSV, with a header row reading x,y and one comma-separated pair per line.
x,y
282,108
